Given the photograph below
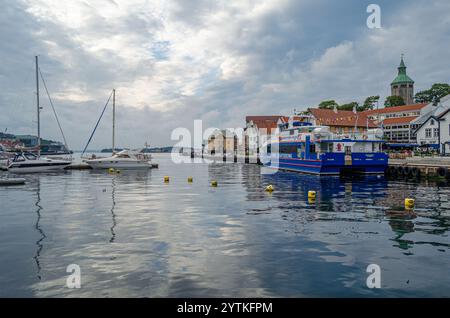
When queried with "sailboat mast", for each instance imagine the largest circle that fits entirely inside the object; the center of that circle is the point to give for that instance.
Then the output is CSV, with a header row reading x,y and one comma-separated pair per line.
x,y
114,123
38,109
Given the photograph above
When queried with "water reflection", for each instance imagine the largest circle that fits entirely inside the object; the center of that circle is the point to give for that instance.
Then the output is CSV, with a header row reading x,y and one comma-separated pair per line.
x,y
189,239
113,215
38,227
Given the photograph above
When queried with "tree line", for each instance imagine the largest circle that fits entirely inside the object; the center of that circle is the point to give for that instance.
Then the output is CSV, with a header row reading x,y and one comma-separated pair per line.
x,y
432,95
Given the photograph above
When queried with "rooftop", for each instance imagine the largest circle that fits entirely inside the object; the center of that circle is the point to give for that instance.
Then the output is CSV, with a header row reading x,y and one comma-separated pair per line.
x,y
344,118
396,109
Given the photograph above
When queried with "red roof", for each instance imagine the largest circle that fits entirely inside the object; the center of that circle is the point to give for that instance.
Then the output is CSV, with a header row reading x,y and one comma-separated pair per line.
x,y
396,109
264,122
399,120
343,118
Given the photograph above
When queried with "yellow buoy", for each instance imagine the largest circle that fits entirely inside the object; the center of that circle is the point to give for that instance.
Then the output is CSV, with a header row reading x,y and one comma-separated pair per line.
x,y
270,188
117,171
111,170
190,179
312,195
409,204
166,179
214,183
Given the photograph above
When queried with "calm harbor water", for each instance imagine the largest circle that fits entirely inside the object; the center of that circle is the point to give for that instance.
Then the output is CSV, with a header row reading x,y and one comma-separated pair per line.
x,y
135,236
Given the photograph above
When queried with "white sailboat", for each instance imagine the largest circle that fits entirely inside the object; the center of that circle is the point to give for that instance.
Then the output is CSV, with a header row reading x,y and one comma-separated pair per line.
x,y
125,159
29,163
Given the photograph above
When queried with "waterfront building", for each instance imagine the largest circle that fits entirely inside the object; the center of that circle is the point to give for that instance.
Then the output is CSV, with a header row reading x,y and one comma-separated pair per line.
x,y
398,122
341,121
433,127
403,85
222,141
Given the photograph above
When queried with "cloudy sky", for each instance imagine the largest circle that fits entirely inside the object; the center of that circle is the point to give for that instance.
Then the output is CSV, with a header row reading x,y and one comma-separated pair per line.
x,y
175,61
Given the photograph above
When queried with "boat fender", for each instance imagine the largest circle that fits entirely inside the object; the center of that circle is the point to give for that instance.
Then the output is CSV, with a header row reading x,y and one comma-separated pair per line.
x,y
415,172
166,179
442,172
270,188
409,204
111,170
311,194
214,183
190,179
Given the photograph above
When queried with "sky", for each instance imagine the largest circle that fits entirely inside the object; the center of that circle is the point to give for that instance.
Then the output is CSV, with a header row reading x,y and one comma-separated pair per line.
x,y
172,62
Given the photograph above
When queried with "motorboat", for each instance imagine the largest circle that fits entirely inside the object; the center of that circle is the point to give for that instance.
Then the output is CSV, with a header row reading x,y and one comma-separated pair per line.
x,y
29,163
125,159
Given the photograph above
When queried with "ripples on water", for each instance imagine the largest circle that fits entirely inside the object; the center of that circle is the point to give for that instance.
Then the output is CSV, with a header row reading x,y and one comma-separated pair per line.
x,y
135,236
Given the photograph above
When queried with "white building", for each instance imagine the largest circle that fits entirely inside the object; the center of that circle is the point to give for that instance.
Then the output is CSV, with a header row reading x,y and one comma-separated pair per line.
x,y
434,127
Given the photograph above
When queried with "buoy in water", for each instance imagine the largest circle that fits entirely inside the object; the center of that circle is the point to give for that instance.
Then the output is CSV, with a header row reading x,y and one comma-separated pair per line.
x,y
117,171
111,170
166,179
270,188
214,183
312,194
409,204
311,200
190,179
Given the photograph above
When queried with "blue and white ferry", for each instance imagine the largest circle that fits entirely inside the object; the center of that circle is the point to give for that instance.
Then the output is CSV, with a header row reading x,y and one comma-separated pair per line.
x,y
300,146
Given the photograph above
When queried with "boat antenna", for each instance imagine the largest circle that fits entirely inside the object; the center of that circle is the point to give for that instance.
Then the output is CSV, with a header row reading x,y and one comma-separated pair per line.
x,y
38,108
96,125
54,111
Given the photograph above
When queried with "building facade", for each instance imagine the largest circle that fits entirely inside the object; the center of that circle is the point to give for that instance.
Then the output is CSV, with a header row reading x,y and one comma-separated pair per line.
x,y
342,121
398,122
433,127
403,85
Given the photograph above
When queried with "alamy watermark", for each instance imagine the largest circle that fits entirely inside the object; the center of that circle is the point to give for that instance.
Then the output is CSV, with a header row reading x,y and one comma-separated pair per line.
x,y
374,19
74,279
374,279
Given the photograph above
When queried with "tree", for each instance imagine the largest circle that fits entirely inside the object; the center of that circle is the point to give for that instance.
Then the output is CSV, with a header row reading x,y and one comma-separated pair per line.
x,y
349,106
369,103
392,101
434,94
328,104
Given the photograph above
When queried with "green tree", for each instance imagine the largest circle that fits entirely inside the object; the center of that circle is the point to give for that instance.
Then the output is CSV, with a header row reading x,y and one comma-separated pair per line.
x,y
434,94
392,101
328,104
369,103
348,106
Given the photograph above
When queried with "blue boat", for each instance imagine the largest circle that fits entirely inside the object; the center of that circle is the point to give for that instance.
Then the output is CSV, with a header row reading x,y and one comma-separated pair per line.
x,y
302,147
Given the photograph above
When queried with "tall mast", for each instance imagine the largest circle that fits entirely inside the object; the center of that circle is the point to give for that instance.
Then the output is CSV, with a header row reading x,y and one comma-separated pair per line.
x,y
114,122
38,108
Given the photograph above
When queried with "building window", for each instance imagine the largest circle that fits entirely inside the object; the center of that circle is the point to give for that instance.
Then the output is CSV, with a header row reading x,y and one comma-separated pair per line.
x,y
436,132
432,122
428,133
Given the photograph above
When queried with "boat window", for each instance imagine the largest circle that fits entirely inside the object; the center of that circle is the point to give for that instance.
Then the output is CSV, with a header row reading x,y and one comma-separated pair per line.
x,y
30,156
312,148
288,149
19,158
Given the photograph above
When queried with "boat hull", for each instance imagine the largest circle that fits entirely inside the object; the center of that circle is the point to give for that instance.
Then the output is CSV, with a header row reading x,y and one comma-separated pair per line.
x,y
34,168
333,164
118,165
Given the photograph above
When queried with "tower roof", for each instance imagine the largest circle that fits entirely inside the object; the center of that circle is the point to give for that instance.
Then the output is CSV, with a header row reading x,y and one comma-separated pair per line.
x,y
402,77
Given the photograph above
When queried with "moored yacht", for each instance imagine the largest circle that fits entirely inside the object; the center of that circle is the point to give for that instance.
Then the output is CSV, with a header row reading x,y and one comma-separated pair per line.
x,y
29,163
125,159
303,147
